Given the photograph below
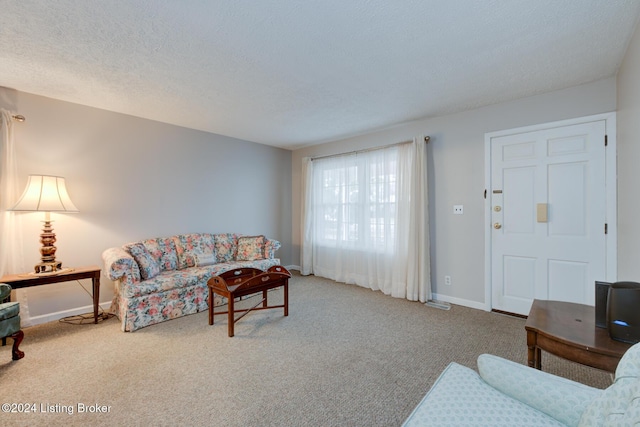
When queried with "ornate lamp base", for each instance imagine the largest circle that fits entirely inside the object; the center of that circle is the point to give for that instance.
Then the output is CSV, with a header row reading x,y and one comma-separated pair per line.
x,y
48,250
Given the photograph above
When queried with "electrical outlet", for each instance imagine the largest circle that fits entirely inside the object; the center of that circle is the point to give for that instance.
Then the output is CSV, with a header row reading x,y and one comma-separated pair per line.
x,y
458,209
447,280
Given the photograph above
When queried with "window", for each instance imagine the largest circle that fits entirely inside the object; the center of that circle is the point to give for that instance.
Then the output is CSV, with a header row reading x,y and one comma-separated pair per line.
x,y
365,219
355,200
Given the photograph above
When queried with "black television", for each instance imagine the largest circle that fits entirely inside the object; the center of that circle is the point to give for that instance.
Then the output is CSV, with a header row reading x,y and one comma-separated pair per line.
x,y
618,310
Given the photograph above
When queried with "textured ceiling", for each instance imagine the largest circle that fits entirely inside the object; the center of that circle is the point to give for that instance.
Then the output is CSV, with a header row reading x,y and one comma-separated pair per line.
x,y
291,73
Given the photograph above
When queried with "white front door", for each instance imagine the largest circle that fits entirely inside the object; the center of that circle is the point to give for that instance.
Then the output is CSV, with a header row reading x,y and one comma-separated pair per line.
x,y
548,213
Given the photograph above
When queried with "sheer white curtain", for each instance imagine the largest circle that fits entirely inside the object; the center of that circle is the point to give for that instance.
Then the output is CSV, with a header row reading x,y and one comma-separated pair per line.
x,y
306,219
365,220
11,258
418,246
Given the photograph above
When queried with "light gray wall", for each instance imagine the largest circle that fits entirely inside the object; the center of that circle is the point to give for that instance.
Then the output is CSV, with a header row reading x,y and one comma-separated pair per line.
x,y
133,178
456,176
628,120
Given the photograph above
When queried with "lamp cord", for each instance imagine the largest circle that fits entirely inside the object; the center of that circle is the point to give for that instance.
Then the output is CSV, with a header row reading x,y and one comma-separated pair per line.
x,y
87,318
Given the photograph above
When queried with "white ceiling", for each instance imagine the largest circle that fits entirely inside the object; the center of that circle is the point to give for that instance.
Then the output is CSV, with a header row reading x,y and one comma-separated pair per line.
x,y
291,73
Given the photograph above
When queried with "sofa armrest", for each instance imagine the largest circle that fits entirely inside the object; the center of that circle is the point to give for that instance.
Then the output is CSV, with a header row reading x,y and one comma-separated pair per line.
x,y
270,248
120,265
558,397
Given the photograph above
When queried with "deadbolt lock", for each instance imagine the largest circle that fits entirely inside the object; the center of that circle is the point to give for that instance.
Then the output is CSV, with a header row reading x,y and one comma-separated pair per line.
x,y
497,226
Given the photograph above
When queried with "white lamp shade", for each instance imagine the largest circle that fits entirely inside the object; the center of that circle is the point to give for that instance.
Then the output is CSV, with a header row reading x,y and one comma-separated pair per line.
x,y
45,193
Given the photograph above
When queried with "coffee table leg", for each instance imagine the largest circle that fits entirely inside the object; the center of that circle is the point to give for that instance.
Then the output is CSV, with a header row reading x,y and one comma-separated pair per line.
x,y
210,298
286,297
230,316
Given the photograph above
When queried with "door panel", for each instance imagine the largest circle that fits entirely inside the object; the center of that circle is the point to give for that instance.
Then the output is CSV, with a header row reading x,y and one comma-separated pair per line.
x,y
566,280
567,198
518,198
559,172
519,277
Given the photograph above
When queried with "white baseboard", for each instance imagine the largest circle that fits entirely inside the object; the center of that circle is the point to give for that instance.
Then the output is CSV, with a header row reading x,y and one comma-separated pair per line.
x,y
444,298
50,317
460,301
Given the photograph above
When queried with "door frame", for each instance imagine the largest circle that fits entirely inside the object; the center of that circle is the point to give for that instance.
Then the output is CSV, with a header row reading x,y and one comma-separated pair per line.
x,y
610,189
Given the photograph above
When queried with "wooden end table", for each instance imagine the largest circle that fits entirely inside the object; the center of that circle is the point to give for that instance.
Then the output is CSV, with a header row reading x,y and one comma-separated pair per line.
x,y
569,330
18,281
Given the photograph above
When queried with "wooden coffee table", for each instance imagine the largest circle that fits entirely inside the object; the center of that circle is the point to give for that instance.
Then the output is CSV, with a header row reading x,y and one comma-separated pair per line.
x,y
246,281
569,331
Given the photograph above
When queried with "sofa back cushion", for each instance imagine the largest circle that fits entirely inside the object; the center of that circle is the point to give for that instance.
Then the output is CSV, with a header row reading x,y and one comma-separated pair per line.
x,y
619,404
226,246
250,248
192,247
163,250
148,266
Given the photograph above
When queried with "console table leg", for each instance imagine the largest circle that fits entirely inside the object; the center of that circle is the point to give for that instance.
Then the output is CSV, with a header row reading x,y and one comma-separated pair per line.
x,y
533,353
96,296
531,356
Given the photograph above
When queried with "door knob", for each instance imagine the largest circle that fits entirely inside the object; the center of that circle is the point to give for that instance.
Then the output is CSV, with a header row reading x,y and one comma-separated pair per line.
x,y
497,226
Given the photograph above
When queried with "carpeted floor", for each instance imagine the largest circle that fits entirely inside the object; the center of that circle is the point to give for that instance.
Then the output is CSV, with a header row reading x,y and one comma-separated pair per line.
x,y
345,356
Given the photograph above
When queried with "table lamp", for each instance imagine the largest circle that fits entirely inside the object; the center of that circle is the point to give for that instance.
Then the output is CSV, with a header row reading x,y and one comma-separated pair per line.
x,y
46,194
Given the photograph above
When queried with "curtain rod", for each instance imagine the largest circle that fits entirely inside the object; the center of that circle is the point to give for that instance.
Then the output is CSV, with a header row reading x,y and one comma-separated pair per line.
x,y
426,140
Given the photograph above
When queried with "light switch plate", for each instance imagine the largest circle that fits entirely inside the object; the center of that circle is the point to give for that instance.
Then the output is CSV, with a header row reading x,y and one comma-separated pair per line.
x,y
458,209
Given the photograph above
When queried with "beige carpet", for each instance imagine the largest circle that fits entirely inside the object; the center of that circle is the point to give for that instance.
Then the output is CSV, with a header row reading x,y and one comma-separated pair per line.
x,y
345,356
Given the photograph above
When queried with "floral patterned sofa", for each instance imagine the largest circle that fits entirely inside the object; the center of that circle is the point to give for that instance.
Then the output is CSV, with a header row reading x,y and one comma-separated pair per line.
x,y
163,278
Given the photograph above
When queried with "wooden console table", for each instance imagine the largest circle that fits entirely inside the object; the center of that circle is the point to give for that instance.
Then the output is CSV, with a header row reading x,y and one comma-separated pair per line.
x,y
569,331
18,281
239,282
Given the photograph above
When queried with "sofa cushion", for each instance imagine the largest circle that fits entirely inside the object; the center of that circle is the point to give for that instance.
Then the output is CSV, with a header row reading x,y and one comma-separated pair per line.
x,y
226,245
460,397
250,248
206,272
163,250
205,259
190,246
148,266
619,404
558,397
168,280
165,281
